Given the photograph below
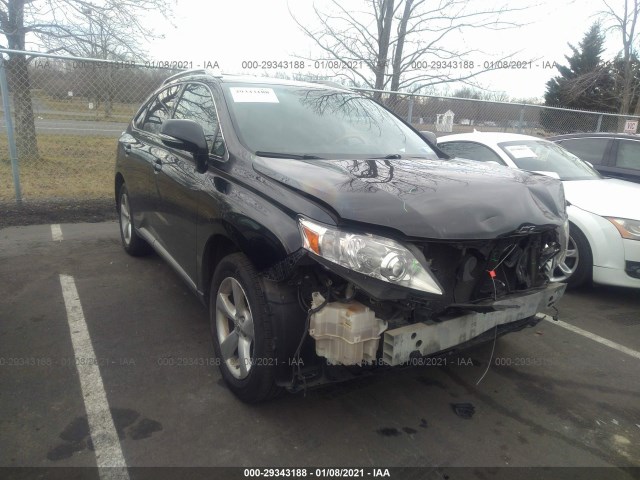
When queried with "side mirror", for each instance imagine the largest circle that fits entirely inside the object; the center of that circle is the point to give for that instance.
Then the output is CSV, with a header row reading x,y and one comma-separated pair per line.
x,y
189,136
430,137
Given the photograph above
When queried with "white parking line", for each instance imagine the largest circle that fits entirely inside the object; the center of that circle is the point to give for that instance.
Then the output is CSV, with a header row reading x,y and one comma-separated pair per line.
x,y
103,433
56,233
593,336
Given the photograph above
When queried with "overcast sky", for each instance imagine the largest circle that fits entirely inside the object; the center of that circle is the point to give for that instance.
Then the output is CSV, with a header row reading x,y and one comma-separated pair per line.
x,y
231,32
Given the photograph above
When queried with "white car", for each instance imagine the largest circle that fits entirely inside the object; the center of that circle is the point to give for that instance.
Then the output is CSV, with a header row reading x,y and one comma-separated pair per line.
x,y
604,213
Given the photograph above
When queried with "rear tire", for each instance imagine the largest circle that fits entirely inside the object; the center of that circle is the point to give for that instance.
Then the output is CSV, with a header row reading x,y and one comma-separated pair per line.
x,y
241,330
132,243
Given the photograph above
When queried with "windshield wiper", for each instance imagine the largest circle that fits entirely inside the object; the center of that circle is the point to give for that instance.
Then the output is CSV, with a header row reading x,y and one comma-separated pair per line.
x,y
288,155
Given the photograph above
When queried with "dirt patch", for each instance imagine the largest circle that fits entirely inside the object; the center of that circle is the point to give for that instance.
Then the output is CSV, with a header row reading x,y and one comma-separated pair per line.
x,y
57,211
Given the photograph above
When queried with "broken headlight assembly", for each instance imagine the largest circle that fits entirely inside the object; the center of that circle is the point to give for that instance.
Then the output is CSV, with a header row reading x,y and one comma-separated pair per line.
x,y
378,257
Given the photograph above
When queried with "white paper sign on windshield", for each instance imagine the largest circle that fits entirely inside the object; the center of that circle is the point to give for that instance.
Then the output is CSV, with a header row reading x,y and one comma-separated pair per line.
x,y
253,95
520,151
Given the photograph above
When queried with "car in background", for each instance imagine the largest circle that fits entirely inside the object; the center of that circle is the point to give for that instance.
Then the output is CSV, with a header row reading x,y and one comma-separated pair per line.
x,y
604,215
612,154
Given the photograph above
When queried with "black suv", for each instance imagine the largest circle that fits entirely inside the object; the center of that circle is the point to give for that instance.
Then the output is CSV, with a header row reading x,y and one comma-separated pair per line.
x,y
325,235
612,154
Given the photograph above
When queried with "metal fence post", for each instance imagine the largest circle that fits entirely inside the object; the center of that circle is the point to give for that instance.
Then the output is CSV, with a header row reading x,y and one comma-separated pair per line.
x,y
13,153
521,119
599,123
410,111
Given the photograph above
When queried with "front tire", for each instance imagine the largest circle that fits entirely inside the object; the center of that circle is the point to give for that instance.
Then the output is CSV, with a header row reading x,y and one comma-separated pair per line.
x,y
241,330
132,243
577,268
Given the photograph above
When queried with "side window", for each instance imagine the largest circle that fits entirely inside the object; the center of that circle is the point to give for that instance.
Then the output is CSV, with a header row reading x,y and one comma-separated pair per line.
x,y
138,121
471,151
588,149
160,109
197,104
628,154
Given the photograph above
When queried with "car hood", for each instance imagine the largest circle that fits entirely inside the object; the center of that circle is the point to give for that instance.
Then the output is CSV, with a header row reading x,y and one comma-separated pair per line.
x,y
437,199
608,197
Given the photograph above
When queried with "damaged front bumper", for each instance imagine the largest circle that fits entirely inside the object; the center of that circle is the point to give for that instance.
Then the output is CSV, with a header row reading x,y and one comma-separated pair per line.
x,y
487,288
350,333
402,344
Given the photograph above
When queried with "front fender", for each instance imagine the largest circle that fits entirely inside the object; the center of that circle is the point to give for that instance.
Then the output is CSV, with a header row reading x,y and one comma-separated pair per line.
x,y
604,239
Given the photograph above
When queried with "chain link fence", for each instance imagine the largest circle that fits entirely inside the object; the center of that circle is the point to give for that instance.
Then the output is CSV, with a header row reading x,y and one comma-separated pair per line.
x,y
64,115
448,115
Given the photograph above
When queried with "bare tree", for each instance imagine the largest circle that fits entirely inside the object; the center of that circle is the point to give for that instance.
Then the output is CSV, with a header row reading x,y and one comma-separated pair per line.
x,y
105,29
92,32
600,80
625,22
13,27
392,39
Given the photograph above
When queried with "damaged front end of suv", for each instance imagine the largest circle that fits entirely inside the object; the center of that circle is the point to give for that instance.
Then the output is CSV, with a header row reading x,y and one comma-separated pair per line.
x,y
434,285
440,293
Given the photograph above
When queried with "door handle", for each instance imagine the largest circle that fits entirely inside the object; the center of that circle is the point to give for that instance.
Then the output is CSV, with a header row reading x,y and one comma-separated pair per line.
x,y
157,165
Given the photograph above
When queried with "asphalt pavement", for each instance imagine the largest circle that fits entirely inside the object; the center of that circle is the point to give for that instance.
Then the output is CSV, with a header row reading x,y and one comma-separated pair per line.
x,y
552,397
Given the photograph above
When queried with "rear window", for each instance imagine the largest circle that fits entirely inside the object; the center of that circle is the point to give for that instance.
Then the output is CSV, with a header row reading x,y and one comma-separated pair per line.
x,y
546,157
470,151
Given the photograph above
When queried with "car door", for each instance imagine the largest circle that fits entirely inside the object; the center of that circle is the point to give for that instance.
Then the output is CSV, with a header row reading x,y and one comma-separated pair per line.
x,y
178,182
148,151
626,160
137,169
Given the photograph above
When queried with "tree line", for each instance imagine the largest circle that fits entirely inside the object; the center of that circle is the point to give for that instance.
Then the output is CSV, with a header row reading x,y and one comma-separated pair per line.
x,y
589,81
379,44
101,29
101,84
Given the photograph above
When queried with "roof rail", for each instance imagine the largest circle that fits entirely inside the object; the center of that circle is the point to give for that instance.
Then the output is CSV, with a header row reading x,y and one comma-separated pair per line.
x,y
184,73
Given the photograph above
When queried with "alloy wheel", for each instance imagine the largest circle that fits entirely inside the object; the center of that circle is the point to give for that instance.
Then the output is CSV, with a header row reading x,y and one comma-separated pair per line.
x,y
564,270
125,218
234,325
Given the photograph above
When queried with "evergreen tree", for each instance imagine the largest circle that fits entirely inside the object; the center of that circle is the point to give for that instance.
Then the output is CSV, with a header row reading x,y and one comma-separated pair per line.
x,y
585,83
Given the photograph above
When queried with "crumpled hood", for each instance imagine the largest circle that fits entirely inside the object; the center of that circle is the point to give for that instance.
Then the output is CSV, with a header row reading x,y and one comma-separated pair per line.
x,y
607,197
436,199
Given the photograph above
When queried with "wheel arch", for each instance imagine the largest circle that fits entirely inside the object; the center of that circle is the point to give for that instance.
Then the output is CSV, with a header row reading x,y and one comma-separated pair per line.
x,y
264,243
602,237
573,226
119,181
215,249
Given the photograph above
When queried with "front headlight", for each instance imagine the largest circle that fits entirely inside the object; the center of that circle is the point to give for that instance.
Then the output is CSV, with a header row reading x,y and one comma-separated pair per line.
x,y
377,257
628,228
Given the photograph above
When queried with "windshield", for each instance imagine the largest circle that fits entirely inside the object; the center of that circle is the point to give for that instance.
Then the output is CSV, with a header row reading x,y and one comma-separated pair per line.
x,y
318,123
543,156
